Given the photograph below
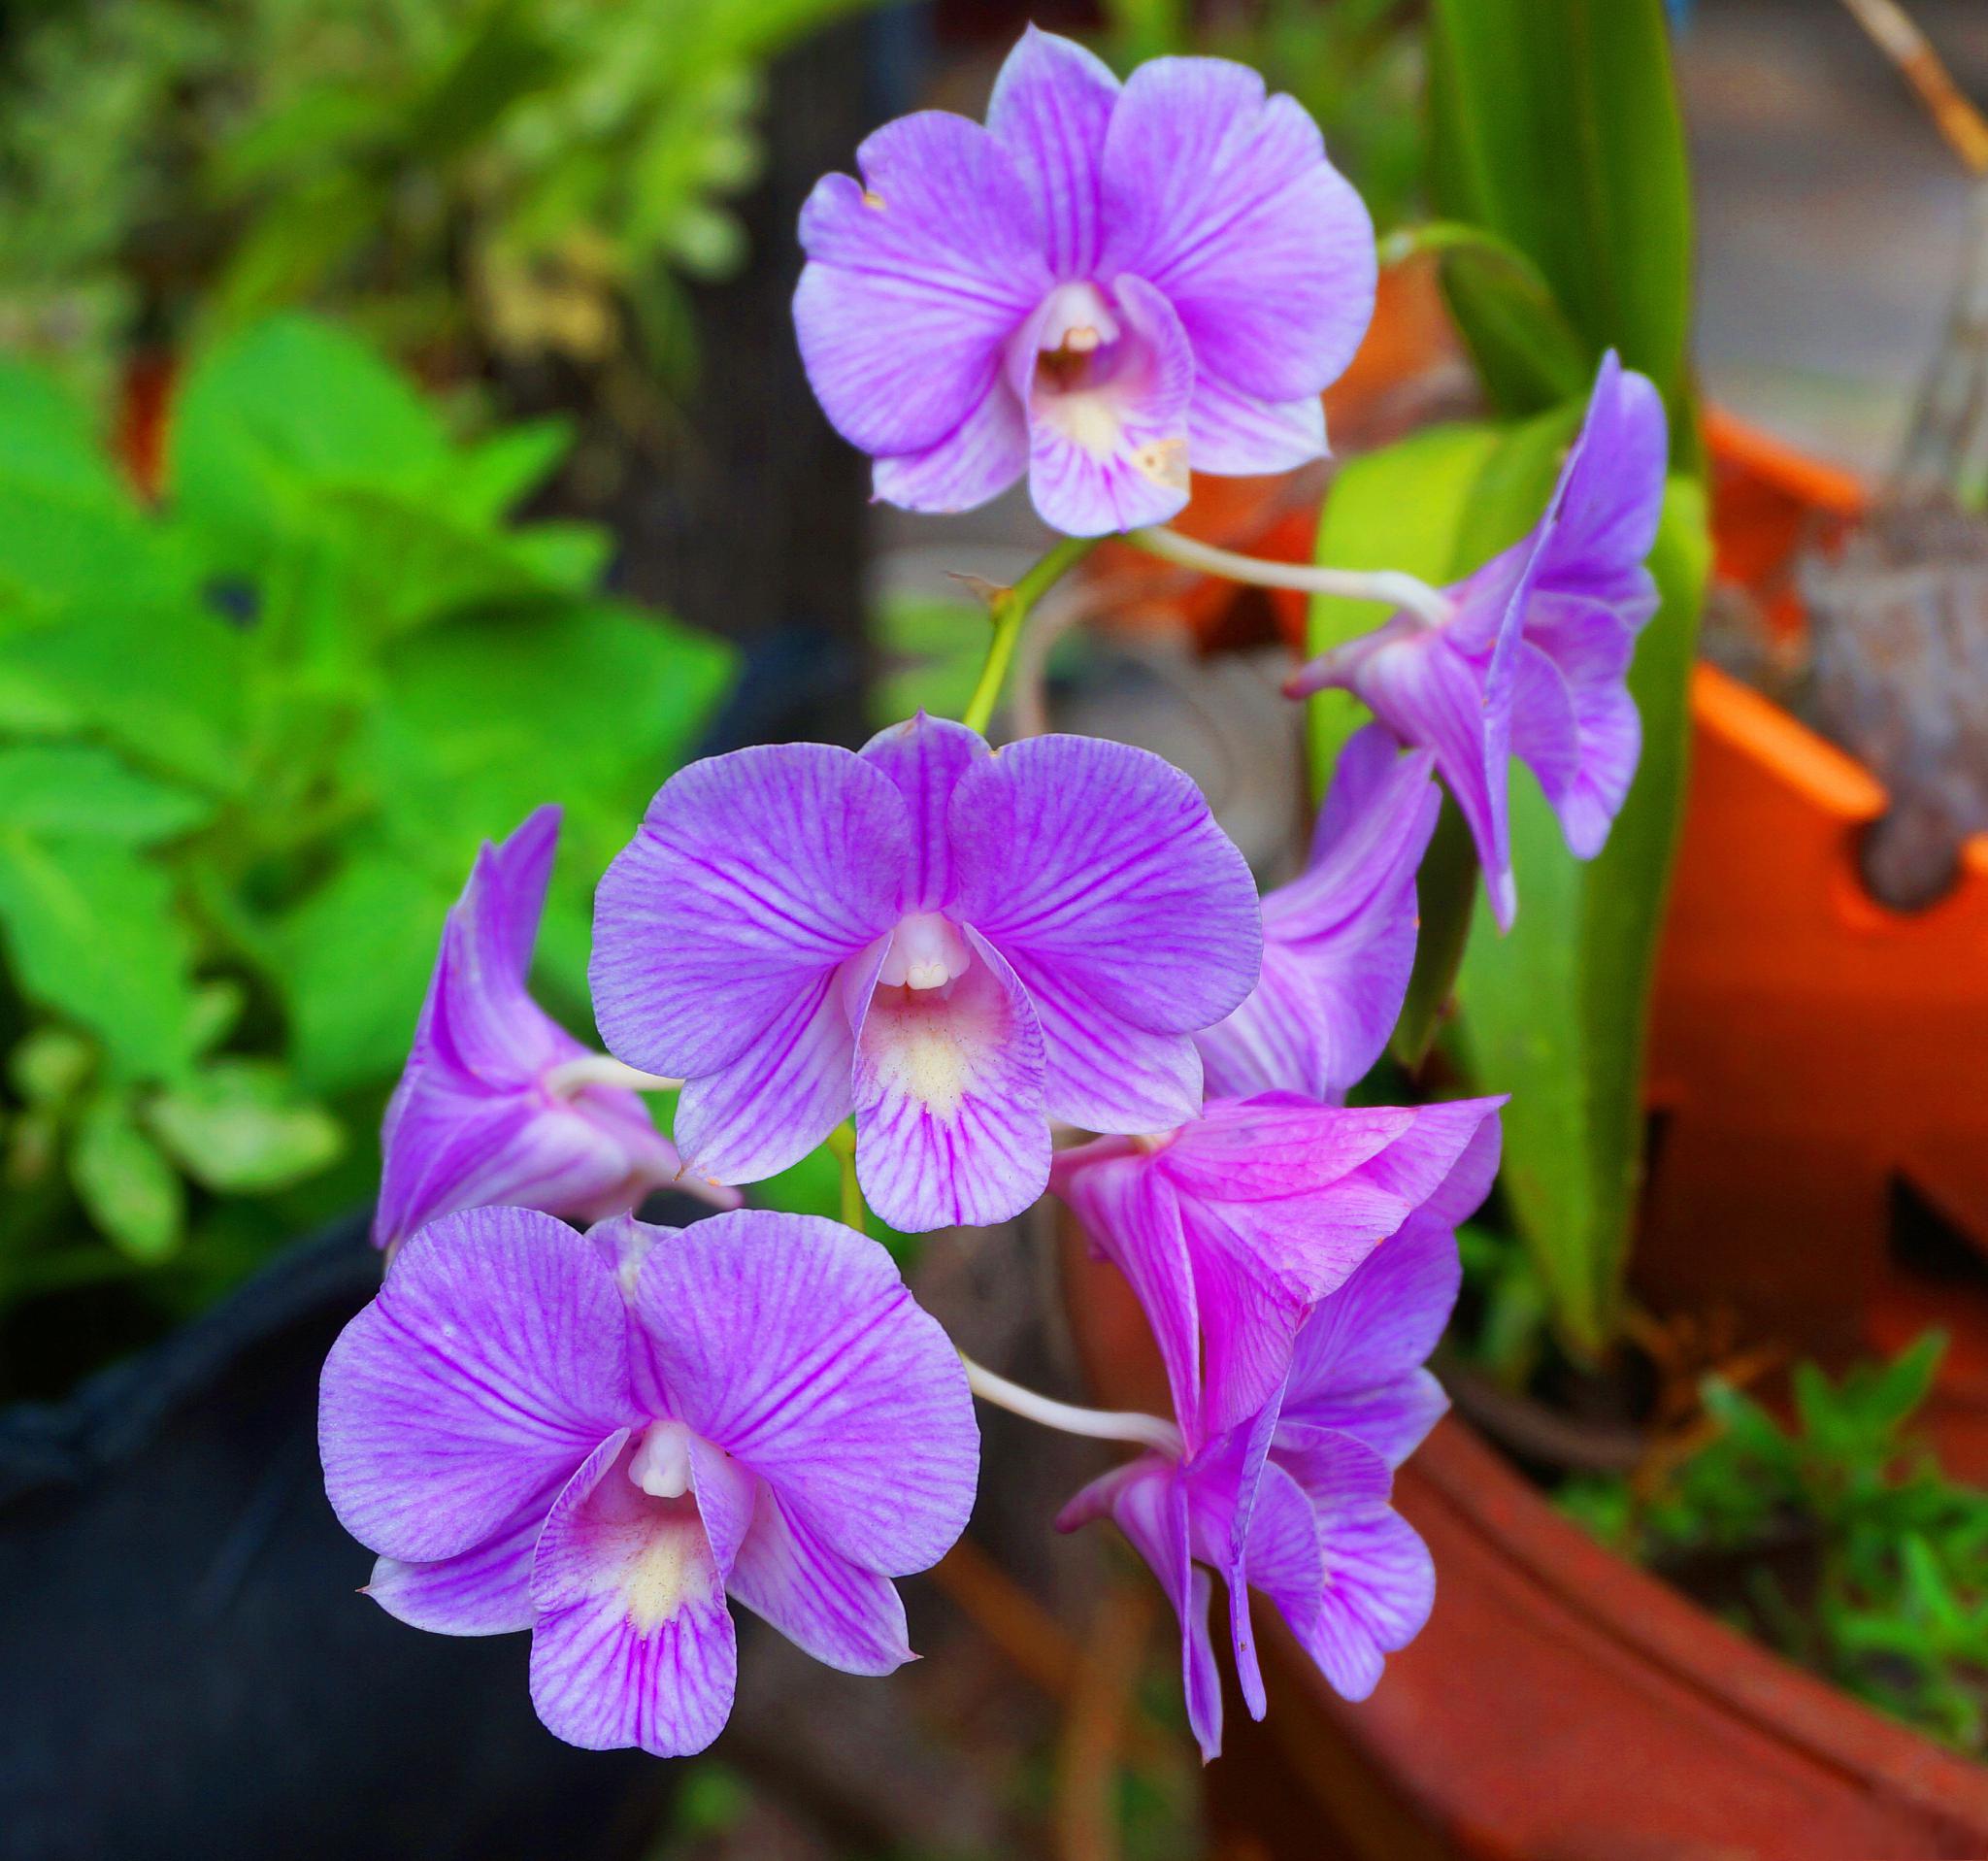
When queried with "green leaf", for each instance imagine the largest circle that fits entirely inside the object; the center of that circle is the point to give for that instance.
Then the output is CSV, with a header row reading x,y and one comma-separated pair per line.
x,y
48,439
127,1188
239,1127
494,474
359,954
50,1065
1554,125
1556,1012
286,405
78,789
930,650
91,932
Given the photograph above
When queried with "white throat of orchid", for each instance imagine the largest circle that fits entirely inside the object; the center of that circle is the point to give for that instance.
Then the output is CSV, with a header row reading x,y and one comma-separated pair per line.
x,y
1087,375
925,951
661,1464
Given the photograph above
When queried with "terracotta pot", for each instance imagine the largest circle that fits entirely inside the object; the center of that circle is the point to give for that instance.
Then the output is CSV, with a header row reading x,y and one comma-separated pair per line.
x,y
1809,1048
1560,1705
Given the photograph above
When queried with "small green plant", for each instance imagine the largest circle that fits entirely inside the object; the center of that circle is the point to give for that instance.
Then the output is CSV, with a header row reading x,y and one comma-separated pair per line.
x,y
518,179
249,737
1837,1540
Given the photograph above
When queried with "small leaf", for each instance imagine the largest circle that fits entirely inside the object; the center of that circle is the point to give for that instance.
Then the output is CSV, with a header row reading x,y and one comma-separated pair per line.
x,y
238,1127
128,1189
50,1065
78,788
92,933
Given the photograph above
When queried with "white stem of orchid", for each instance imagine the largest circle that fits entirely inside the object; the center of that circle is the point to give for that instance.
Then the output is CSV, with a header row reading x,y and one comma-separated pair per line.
x,y
1392,587
602,1069
1098,1424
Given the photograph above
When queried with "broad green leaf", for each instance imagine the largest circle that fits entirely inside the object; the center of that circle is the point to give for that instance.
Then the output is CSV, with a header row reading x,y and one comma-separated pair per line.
x,y
166,685
289,404
931,649
91,932
48,439
239,1127
357,957
494,474
78,788
126,1188
1554,125
1556,1012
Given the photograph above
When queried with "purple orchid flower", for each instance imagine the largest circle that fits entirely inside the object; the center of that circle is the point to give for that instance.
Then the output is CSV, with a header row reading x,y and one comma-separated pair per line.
x,y
1532,664
753,1407
1234,1227
481,1113
1339,942
1107,286
953,945
1292,1499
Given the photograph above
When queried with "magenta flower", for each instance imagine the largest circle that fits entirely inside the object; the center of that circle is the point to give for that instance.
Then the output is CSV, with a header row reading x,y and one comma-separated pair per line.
x,y
1533,662
1234,1227
481,1113
1103,287
1307,1522
1291,1499
1339,942
953,945
763,1414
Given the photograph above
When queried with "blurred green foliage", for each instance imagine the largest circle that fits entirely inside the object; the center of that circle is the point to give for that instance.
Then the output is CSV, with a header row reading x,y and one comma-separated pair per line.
x,y
1356,65
516,176
249,739
1838,1539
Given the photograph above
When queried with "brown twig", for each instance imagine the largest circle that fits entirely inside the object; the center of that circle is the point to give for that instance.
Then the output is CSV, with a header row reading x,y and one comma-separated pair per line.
x,y
1030,1638
1095,1724
1895,34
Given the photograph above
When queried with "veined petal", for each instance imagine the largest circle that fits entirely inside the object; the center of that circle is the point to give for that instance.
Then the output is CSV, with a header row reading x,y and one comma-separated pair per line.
x,y
950,1126
633,1643
1379,1582
1282,1559
488,1367
481,1015
767,1108
1231,432
1614,483
844,1615
977,461
485,1591
1102,862
1102,1072
1050,108
753,874
1339,941
925,757
1133,1218
915,280
792,1343
1223,198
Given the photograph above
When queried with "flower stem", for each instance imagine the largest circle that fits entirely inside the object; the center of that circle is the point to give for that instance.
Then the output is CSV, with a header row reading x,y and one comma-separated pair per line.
x,y
1009,608
1098,1424
855,1212
1392,587
602,1069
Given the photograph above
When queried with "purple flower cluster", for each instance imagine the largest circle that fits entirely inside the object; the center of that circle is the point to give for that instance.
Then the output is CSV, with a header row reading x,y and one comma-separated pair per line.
x,y
608,1437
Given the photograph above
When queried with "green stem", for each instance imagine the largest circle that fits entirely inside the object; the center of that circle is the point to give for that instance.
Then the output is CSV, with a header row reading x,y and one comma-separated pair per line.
x,y
855,1211
1009,608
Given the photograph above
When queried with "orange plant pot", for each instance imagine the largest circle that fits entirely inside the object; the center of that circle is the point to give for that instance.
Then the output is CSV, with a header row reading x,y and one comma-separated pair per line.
x,y
1560,1705
1809,1048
